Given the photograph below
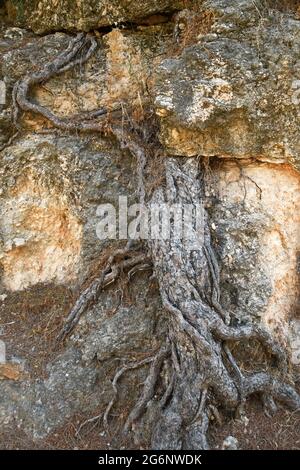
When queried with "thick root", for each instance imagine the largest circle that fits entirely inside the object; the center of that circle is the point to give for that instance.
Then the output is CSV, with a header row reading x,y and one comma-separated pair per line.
x,y
204,372
246,332
108,275
87,45
189,286
116,378
149,387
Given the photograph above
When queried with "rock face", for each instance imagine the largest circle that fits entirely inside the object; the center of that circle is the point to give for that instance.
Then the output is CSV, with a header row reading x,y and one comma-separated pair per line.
x,y
234,93
255,219
223,79
84,15
49,203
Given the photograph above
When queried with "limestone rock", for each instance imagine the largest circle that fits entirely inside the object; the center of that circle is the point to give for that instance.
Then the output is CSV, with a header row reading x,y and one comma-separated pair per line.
x,y
255,207
48,207
84,15
230,90
235,92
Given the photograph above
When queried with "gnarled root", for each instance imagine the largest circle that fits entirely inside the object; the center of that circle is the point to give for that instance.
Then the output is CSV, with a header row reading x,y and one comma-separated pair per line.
x,y
116,378
207,374
108,275
79,51
203,372
149,386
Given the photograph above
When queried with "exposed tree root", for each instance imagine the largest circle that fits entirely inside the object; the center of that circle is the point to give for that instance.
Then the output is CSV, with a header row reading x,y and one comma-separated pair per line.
x,y
189,289
149,387
203,373
67,60
108,275
116,378
9,141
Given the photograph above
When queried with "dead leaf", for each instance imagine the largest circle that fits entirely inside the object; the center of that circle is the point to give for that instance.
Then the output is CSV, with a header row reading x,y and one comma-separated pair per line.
x,y
10,371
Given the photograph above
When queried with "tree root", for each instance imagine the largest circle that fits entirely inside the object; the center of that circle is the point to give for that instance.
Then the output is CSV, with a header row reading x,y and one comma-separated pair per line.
x,y
109,274
263,383
9,141
185,279
116,378
203,369
149,387
227,333
189,287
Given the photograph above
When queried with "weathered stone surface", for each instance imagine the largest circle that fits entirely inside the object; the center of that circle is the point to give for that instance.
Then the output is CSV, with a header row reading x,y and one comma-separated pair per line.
x,y
235,93
84,15
232,94
49,199
254,210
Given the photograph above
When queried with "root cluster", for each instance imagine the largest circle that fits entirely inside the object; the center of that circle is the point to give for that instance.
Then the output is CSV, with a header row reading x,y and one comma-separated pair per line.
x,y
203,374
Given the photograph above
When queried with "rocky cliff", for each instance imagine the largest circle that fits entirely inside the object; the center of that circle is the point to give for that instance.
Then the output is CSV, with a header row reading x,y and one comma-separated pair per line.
x,y
221,80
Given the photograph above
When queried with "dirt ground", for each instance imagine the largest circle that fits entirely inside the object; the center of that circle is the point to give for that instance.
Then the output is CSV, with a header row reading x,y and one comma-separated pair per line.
x,y
29,334
256,432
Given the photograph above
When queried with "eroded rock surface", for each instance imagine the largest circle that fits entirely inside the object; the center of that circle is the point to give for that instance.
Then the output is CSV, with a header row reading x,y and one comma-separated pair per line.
x,y
78,380
229,92
49,202
255,221
235,92
84,15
